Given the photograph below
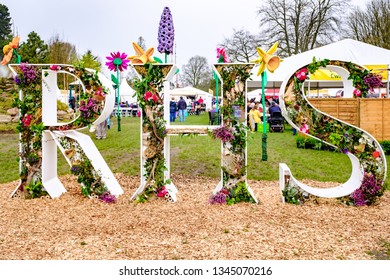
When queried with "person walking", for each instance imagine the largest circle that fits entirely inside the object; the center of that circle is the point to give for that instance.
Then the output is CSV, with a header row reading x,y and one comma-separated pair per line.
x,y
182,106
172,110
254,117
101,129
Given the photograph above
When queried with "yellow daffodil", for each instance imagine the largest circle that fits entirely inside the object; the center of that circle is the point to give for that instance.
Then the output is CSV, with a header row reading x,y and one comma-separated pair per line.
x,y
266,59
8,50
141,55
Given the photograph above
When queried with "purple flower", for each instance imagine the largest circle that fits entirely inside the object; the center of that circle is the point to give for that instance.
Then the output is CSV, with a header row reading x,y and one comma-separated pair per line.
x,y
28,71
107,197
219,197
75,169
166,32
224,133
17,80
373,80
370,188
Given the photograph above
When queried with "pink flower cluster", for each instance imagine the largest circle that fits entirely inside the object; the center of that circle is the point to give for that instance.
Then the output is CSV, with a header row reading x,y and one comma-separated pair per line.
x,y
148,96
162,192
304,128
26,120
100,92
302,74
55,67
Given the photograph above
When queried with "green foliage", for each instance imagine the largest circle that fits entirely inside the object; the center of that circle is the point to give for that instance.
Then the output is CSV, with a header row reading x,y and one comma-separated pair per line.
x,y
315,65
239,194
357,74
89,179
291,195
34,50
61,105
35,190
335,138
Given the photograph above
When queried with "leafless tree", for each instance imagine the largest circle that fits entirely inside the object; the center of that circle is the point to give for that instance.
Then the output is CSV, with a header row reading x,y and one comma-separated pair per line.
x,y
241,46
61,51
371,25
197,72
301,25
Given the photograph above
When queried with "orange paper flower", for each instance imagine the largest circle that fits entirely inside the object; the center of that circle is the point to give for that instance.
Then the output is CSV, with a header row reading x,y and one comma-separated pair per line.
x,y
8,50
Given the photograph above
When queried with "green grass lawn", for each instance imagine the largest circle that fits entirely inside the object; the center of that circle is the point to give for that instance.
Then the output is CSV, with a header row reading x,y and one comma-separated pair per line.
x,y
199,155
202,119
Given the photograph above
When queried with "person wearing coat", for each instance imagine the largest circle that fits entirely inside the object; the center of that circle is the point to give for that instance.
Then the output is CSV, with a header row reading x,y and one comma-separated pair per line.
x,y
172,110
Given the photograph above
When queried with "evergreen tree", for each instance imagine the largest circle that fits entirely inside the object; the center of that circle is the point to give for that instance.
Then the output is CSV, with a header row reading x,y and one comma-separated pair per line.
x,y
88,60
5,25
34,50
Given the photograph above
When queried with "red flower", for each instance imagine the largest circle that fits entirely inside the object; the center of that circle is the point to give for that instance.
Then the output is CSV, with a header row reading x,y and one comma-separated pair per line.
x,y
100,92
357,92
376,154
155,98
26,120
148,95
302,74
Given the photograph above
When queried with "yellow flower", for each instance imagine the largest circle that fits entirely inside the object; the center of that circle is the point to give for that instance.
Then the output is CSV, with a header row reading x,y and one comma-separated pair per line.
x,y
8,50
266,59
141,56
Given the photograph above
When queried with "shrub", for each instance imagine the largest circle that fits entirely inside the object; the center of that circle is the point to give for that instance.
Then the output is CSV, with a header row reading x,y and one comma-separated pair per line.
x,y
386,147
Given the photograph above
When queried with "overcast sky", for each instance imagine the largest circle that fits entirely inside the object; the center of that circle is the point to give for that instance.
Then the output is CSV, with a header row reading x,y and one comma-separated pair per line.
x,y
106,26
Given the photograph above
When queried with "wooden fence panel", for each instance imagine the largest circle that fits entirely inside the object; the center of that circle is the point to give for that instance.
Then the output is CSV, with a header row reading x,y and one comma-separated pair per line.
x,y
345,109
372,115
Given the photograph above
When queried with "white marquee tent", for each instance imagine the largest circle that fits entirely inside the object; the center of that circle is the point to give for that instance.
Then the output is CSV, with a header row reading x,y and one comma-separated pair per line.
x,y
126,92
345,50
193,92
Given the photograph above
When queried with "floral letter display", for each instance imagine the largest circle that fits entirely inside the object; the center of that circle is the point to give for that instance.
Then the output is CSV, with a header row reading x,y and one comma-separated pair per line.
x,y
41,133
367,157
233,187
150,94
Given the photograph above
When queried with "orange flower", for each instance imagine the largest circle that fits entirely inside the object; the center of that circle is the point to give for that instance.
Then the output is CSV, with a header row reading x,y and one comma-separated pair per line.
x,y
8,50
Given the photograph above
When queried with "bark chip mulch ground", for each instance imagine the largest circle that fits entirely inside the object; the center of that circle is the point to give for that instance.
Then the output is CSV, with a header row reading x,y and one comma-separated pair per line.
x,y
77,228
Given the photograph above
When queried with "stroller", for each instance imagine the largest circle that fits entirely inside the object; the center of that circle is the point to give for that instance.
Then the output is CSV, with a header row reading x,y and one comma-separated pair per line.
x,y
276,122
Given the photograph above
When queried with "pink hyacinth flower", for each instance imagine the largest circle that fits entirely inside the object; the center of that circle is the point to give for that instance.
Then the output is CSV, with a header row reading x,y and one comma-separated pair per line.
x,y
222,52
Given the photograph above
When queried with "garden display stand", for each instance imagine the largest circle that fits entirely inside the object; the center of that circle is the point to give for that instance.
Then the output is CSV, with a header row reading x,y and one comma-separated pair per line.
x,y
233,77
168,71
55,134
364,151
